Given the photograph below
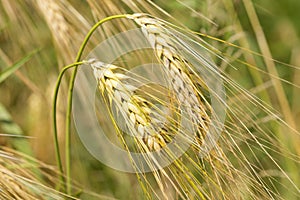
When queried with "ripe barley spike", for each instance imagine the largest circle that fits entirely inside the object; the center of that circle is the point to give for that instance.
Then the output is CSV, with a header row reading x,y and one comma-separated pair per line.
x,y
135,109
179,71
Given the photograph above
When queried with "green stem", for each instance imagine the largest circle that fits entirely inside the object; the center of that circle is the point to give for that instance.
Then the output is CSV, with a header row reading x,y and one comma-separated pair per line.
x,y
57,151
70,94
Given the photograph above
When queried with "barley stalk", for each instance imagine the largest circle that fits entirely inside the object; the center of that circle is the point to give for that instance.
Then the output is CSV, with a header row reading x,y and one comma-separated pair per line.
x,y
253,160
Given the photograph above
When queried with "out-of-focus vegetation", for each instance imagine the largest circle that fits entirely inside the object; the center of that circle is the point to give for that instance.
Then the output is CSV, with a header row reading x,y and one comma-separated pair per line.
x,y
26,96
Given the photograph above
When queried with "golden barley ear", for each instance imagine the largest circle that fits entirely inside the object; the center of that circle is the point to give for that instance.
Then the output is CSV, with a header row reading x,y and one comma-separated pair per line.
x,y
178,69
135,109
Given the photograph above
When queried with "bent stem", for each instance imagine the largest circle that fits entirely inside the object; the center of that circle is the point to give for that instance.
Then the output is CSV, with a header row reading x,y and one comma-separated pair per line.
x,y
70,94
57,151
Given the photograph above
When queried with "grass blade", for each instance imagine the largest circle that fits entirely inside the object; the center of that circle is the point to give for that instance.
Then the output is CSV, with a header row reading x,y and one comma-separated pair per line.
x,y
10,70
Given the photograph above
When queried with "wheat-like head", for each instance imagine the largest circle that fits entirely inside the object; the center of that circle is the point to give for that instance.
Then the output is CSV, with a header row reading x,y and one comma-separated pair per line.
x,y
178,69
135,109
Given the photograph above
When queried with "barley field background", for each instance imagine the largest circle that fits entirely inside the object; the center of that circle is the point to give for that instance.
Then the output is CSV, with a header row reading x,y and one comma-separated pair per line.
x,y
260,44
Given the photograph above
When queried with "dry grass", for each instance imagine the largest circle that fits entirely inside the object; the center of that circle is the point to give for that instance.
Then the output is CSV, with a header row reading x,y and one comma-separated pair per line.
x,y
19,177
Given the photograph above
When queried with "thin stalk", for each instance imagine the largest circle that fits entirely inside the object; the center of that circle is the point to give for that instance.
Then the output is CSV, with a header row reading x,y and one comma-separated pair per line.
x,y
263,45
70,94
57,151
